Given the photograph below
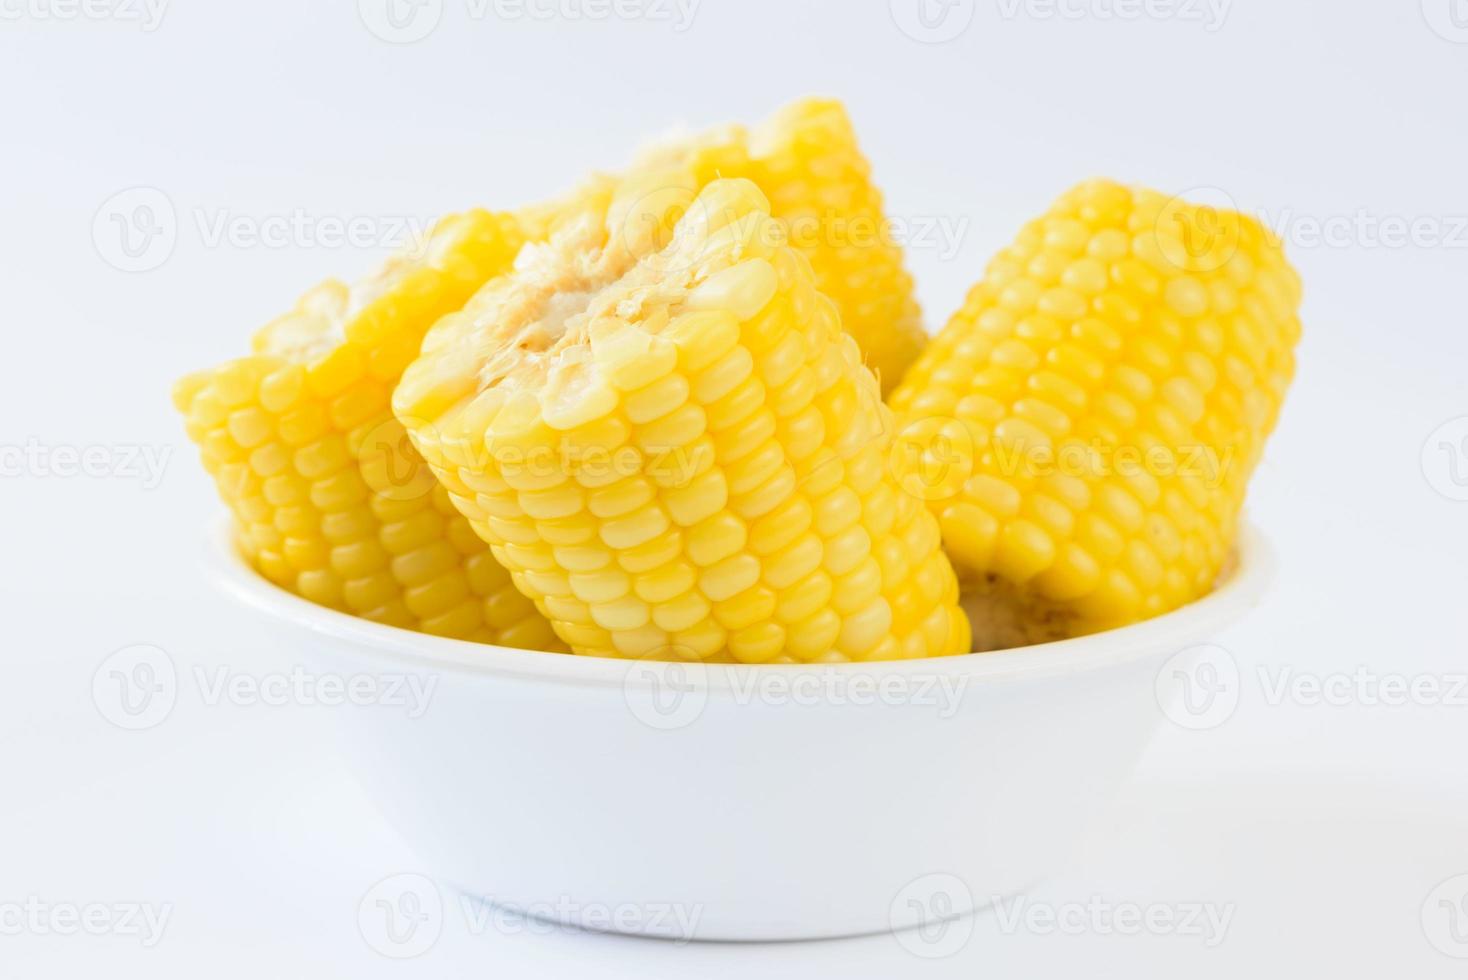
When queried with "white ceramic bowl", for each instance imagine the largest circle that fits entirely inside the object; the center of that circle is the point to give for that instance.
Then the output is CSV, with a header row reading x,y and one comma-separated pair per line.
x,y
738,802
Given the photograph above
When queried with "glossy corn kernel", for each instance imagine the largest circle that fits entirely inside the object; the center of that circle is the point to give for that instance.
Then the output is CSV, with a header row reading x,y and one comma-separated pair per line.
x,y
807,161
677,451
1086,425
329,499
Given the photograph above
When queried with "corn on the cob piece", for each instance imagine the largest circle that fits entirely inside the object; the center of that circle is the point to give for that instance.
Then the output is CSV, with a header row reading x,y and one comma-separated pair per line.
x,y
329,499
1086,425
807,161
675,449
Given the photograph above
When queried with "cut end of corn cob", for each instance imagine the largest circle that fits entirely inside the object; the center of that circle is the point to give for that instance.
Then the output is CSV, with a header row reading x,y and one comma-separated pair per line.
x,y
662,432
807,160
329,499
1086,425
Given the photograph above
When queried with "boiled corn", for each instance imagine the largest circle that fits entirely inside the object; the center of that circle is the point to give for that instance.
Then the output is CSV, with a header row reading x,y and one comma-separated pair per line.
x,y
676,451
1086,425
329,499
807,161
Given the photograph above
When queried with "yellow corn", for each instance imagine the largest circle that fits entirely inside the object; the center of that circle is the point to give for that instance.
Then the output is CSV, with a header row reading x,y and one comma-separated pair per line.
x,y
329,499
1086,425
675,449
806,159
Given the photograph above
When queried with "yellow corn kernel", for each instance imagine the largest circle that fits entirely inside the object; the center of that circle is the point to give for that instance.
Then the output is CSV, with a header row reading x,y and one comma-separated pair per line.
x,y
1119,367
736,556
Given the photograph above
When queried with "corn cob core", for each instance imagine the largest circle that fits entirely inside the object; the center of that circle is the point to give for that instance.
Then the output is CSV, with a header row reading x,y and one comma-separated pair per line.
x,y
329,499
677,452
807,160
1086,425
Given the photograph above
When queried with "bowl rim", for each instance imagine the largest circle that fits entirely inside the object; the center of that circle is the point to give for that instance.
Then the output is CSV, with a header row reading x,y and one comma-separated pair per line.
x,y
1194,624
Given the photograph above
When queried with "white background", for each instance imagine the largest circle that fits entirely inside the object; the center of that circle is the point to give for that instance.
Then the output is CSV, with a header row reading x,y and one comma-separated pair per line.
x,y
1324,827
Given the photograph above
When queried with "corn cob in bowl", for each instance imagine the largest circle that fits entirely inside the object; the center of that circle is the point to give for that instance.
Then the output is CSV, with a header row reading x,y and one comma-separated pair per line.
x,y
1086,425
329,500
807,161
676,451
